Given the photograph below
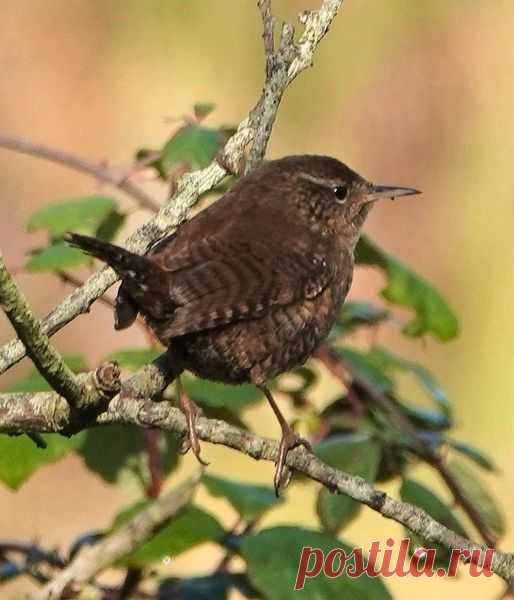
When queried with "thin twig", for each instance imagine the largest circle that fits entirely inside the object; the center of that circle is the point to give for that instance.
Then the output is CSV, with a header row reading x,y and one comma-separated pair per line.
x,y
130,583
93,559
102,173
267,33
75,282
134,575
32,552
152,380
153,454
418,445
224,563
461,498
284,64
151,414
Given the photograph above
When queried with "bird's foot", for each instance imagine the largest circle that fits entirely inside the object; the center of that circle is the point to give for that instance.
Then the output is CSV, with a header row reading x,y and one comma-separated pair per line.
x,y
191,411
290,439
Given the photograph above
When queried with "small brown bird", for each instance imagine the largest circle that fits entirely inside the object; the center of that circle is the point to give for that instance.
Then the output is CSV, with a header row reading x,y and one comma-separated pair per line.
x,y
249,287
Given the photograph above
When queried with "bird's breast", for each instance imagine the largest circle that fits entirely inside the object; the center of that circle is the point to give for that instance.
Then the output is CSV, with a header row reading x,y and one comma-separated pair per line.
x,y
259,349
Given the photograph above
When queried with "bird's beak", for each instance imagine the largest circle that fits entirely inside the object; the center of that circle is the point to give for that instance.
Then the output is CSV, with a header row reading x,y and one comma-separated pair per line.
x,y
389,191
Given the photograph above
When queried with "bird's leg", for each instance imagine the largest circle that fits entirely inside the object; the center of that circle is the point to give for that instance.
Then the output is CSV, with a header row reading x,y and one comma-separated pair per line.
x,y
191,411
289,440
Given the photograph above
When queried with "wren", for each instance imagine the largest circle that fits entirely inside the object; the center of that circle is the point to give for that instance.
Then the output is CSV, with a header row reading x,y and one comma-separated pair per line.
x,y
249,287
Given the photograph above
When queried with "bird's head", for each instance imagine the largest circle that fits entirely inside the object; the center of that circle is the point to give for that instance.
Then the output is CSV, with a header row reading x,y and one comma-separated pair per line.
x,y
330,196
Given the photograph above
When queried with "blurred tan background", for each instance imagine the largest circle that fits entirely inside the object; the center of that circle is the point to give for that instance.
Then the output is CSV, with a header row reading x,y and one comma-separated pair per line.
x,y
410,93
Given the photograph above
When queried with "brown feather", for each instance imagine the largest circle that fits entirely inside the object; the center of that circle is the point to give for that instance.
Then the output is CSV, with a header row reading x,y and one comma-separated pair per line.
x,y
251,285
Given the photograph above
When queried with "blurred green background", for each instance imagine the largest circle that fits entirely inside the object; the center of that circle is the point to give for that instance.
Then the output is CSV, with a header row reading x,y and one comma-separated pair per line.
x,y
411,93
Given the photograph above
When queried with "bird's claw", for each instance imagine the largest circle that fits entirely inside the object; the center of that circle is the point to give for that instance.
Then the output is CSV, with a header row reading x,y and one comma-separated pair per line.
x,y
191,412
289,441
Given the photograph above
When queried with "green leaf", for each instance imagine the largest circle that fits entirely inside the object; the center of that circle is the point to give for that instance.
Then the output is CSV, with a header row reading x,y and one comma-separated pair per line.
x,y
250,501
418,495
77,214
133,358
126,514
110,226
405,288
357,314
341,451
393,462
366,368
202,110
297,383
211,587
169,446
109,451
194,145
127,456
426,419
377,366
357,454
191,527
480,496
479,457
57,257
224,414
20,458
389,362
273,556
218,395
223,186
35,382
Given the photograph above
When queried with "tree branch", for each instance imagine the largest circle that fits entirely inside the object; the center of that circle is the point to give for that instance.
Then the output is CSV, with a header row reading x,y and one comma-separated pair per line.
x,y
152,379
32,552
284,64
418,445
150,414
47,412
18,144
93,559
191,185
45,357
267,29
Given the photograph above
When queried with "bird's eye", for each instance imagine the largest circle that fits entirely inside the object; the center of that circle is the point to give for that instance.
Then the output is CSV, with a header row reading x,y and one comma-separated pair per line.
x,y
341,192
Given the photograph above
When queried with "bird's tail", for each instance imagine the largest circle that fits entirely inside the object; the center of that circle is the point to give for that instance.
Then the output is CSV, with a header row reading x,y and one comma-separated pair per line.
x,y
143,285
126,264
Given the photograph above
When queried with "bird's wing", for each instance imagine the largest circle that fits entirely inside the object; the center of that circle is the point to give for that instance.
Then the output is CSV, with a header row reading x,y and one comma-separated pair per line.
x,y
241,280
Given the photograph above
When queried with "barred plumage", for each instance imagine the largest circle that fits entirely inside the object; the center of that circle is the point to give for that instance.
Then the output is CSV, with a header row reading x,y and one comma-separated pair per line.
x,y
250,286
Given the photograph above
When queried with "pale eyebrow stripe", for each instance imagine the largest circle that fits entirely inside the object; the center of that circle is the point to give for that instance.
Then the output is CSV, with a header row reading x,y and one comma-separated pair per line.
x,y
321,182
